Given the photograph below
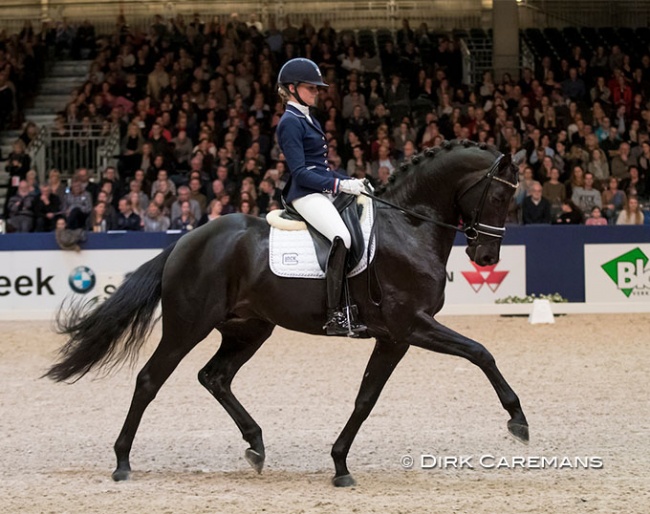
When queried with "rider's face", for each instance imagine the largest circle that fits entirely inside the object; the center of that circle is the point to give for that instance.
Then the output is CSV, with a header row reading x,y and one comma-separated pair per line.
x,y
308,93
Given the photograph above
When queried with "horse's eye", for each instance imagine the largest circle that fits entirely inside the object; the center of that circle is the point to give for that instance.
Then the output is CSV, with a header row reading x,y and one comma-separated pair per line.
x,y
497,199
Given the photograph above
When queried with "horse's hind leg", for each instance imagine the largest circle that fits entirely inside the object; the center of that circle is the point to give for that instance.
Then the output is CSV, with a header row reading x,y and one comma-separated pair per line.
x,y
241,339
383,361
433,336
174,346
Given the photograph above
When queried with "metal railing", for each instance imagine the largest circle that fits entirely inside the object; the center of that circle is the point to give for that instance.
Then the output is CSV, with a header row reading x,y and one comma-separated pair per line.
x,y
69,147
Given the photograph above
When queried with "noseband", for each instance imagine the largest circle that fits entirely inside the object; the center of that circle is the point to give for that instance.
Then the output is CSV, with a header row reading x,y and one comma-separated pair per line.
x,y
475,227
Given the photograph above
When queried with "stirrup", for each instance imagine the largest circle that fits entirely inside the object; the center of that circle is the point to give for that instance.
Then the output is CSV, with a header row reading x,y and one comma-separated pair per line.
x,y
342,324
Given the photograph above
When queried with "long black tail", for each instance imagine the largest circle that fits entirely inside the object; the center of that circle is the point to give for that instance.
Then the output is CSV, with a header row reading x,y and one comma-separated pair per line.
x,y
116,330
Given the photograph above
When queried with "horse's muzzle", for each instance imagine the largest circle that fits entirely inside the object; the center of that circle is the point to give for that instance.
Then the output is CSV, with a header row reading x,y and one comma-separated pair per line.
x,y
484,254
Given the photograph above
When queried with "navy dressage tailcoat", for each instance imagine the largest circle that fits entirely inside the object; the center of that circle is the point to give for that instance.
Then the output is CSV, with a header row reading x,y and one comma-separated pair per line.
x,y
304,146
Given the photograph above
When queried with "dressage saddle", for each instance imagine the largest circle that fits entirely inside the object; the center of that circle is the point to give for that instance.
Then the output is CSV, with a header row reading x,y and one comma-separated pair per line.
x,y
350,212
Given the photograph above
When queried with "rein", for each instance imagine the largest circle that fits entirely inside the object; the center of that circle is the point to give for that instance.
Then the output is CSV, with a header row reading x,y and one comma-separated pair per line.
x,y
411,213
475,227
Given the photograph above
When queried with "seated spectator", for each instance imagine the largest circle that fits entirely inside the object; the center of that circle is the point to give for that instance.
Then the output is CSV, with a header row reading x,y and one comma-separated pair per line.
x,y
111,212
643,159
554,191
32,182
18,164
184,196
214,212
535,209
383,159
126,218
358,122
621,162
631,213
613,200
154,220
196,194
268,193
185,220
21,209
587,196
397,93
163,203
383,175
408,152
596,218
401,135
227,207
599,168
57,186
99,219
569,215
47,208
83,176
573,87
77,205
246,207
633,185
358,160
131,149
576,180
163,176
182,150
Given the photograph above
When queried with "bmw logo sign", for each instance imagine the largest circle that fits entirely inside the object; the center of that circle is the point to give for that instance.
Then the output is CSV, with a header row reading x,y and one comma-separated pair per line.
x,y
81,279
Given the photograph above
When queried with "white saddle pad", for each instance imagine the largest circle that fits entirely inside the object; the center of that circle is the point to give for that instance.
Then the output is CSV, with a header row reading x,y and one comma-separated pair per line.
x,y
291,249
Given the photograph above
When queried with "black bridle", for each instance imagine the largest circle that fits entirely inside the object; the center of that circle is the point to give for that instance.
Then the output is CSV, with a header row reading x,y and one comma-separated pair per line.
x,y
474,227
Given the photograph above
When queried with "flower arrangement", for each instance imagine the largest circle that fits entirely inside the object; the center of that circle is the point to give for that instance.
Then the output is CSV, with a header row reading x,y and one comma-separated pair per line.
x,y
554,298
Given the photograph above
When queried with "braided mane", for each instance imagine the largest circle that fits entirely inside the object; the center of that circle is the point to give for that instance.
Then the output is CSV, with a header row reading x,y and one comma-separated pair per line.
x,y
401,189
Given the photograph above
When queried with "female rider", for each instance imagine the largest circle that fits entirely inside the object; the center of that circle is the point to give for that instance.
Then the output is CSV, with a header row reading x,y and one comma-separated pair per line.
x,y
312,184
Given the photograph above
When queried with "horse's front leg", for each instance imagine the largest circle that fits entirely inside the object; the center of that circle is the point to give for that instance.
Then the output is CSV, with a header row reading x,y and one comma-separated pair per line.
x,y
431,335
383,361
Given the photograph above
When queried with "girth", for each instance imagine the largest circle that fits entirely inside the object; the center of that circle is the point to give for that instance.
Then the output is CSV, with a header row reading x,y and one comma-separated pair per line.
x,y
350,212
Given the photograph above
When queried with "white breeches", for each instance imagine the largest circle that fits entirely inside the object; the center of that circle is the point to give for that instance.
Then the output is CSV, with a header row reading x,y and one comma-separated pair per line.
x,y
318,210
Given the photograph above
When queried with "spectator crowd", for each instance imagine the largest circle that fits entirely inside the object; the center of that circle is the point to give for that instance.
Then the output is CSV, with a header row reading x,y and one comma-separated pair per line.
x,y
196,106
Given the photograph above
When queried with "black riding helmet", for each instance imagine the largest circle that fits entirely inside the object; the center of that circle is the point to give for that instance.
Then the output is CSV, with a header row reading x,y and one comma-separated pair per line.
x,y
300,70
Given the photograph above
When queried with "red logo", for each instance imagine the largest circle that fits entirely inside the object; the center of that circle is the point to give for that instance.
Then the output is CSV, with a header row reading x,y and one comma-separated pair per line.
x,y
484,275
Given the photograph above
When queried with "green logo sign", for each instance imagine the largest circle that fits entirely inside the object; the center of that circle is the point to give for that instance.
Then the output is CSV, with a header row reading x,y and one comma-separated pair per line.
x,y
628,271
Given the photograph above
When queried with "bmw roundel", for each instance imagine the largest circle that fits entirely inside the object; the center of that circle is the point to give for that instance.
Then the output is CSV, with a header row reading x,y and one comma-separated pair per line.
x,y
81,279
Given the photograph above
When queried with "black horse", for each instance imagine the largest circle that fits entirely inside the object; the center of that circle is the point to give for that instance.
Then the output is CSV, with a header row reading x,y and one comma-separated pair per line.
x,y
218,276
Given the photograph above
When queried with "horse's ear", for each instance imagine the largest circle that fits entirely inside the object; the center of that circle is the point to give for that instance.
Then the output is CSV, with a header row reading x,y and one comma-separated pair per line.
x,y
505,162
519,157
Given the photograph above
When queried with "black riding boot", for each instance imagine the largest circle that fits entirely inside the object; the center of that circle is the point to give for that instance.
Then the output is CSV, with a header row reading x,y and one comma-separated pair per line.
x,y
340,319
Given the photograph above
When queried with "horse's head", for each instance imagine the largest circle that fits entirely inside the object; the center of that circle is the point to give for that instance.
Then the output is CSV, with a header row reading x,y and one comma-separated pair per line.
x,y
484,207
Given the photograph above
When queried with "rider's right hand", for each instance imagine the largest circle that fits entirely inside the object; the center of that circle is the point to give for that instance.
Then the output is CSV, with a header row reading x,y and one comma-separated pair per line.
x,y
352,186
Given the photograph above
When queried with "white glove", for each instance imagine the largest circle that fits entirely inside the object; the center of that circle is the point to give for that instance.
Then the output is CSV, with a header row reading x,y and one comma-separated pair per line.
x,y
352,186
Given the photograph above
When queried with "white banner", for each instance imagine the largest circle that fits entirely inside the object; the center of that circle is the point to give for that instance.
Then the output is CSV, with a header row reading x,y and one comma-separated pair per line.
x,y
469,283
34,283
617,273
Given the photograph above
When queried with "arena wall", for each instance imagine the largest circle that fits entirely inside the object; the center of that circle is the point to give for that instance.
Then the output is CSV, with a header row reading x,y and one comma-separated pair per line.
x,y
598,269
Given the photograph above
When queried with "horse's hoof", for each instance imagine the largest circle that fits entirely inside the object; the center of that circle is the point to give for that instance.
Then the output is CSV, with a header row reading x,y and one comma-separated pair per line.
x,y
518,431
119,475
344,481
255,459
